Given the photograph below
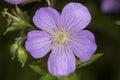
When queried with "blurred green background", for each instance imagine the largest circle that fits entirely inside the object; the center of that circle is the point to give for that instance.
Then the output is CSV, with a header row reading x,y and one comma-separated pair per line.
x,y
103,26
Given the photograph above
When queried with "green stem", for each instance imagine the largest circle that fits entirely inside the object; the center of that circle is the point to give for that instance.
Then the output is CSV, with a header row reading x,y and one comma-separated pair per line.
x,y
30,26
49,3
5,12
117,22
53,2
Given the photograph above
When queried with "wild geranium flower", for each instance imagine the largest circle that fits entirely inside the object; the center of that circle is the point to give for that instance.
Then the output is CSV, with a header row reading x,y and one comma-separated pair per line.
x,y
109,6
16,1
63,35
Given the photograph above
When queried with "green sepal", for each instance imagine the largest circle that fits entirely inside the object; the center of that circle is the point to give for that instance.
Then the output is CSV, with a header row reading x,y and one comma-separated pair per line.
x,y
9,29
13,28
48,77
40,69
22,15
19,25
94,57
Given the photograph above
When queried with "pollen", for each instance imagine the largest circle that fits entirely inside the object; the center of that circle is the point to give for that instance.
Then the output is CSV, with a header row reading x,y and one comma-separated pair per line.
x,y
61,37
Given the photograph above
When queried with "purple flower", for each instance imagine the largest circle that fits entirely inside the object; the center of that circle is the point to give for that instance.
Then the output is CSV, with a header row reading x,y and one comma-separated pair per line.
x,y
16,1
63,35
108,6
20,1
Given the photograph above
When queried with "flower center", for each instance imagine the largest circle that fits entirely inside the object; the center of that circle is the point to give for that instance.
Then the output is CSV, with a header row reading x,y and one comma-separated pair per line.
x,y
61,37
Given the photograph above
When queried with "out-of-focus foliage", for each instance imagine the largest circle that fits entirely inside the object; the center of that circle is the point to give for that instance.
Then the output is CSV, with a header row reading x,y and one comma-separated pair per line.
x,y
106,31
83,64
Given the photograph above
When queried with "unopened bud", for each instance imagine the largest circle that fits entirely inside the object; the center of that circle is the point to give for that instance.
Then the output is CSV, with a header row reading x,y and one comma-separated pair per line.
x,y
13,50
22,56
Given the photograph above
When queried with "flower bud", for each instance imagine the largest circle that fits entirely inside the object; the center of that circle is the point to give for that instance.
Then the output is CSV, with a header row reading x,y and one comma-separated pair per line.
x,y
22,56
13,50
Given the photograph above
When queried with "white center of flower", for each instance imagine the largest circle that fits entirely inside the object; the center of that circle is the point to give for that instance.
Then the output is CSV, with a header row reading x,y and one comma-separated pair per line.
x,y
61,37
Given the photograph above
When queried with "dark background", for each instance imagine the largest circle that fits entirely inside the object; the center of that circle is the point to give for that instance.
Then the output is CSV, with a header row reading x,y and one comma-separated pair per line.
x,y
103,26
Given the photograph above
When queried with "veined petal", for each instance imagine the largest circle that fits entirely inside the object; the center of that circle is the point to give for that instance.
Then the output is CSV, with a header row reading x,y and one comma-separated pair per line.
x,y
83,44
75,16
46,19
61,61
38,43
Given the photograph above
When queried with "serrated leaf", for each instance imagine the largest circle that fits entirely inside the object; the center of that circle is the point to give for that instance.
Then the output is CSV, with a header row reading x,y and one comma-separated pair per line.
x,y
95,57
39,69
48,77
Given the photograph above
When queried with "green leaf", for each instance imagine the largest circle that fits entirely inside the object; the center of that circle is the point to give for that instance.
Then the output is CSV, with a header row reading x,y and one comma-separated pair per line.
x,y
73,76
48,77
82,64
40,69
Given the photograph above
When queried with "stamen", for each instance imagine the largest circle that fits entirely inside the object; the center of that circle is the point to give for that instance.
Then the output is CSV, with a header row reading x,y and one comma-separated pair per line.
x,y
61,37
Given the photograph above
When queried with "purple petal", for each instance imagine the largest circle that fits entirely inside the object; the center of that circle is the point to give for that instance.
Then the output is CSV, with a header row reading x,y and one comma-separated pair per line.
x,y
75,16
61,61
83,44
110,6
38,43
16,1
46,19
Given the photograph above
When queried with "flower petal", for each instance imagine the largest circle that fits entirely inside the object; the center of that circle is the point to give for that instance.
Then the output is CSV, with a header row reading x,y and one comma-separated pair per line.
x,y
75,16
61,61
83,44
46,19
38,43
16,1
110,6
